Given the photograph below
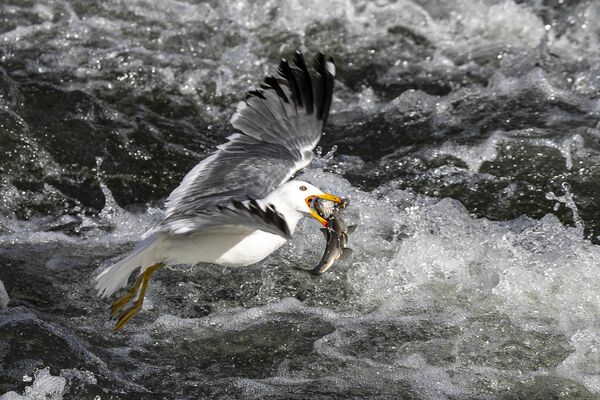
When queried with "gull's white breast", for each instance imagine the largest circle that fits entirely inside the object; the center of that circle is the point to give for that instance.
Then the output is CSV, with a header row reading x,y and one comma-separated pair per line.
x,y
224,247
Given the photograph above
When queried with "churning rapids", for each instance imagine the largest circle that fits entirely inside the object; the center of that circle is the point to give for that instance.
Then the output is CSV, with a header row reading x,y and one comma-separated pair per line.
x,y
466,136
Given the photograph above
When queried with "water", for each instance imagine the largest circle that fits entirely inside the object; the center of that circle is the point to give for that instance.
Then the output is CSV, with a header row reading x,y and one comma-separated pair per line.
x,y
467,137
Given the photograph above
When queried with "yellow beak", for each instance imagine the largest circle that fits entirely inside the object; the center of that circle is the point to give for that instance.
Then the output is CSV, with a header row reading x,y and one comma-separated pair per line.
x,y
325,196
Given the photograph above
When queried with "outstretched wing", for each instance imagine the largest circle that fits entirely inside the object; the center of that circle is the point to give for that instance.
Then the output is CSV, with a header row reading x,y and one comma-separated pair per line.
x,y
278,127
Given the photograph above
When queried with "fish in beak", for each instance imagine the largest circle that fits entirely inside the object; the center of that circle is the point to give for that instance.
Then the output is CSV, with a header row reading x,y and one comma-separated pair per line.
x,y
310,201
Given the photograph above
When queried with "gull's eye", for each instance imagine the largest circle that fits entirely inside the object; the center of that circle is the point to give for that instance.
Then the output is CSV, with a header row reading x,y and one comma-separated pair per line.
x,y
303,188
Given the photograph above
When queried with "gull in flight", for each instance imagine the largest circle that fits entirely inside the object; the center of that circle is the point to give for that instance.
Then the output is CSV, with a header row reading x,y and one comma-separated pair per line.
x,y
237,205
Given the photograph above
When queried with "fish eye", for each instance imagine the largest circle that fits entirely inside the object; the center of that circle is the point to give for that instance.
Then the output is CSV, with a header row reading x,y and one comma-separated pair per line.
x,y
303,188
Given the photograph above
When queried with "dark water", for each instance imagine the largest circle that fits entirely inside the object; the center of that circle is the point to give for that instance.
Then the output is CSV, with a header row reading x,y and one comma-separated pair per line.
x,y
467,136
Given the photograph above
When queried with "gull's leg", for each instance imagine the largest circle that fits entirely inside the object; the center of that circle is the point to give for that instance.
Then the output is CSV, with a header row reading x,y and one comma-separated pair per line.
x,y
137,306
121,301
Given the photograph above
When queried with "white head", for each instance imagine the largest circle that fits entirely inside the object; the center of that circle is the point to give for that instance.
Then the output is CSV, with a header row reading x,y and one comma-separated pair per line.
x,y
297,196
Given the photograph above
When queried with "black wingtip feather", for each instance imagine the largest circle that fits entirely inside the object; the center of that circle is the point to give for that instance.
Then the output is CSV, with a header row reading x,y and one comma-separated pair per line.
x,y
323,85
285,71
272,82
269,214
304,81
311,91
255,93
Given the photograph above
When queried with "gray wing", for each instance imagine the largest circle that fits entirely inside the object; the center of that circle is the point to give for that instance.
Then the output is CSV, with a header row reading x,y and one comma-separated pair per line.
x,y
248,213
278,127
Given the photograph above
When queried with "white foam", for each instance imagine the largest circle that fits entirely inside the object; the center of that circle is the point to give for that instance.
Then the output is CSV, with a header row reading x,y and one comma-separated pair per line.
x,y
416,259
459,27
583,364
113,225
419,260
569,202
474,155
4,299
433,258
45,386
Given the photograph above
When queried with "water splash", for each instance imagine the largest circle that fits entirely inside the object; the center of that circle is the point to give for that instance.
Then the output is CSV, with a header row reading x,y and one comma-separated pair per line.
x,y
322,161
4,299
565,147
45,386
111,210
473,155
568,200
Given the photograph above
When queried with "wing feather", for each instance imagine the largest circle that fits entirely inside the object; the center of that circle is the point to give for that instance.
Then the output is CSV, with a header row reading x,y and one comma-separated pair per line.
x,y
249,213
278,126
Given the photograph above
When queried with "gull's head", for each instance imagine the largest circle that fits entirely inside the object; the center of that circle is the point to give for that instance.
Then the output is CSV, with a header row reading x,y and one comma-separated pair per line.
x,y
299,196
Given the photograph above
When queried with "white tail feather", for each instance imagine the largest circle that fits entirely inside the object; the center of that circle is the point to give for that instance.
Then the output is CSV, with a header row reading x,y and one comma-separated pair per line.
x,y
115,277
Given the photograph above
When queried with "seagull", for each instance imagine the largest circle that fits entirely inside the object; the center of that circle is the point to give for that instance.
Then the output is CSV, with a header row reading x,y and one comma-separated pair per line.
x,y
237,205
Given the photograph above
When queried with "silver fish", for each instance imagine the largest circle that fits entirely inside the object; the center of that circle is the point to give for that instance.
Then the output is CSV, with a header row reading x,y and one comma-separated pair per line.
x,y
336,235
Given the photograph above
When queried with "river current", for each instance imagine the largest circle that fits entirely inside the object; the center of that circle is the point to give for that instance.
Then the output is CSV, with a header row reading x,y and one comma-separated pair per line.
x,y
466,135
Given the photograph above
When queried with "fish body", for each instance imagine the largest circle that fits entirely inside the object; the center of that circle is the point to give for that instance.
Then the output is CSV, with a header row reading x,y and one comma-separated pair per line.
x,y
336,234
